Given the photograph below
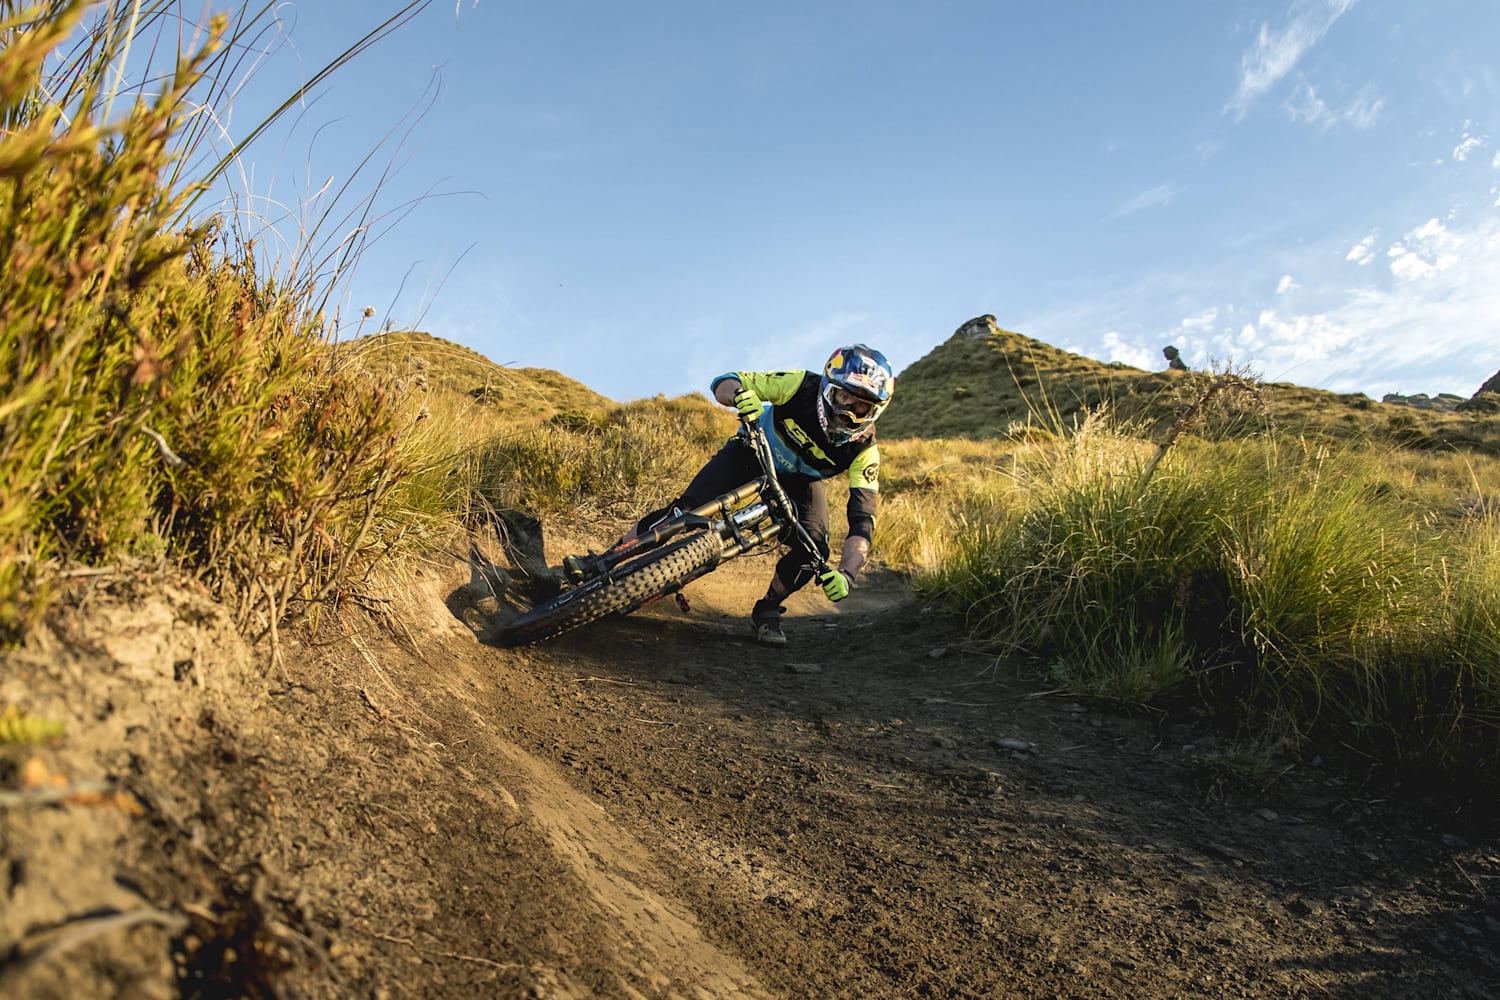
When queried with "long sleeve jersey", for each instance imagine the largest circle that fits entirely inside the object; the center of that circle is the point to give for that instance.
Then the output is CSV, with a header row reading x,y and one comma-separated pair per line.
x,y
801,445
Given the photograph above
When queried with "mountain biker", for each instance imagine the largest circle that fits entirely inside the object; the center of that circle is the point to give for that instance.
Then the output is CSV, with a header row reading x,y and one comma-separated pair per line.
x,y
819,424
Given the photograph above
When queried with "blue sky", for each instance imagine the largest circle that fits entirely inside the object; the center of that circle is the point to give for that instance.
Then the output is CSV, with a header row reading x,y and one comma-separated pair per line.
x,y
643,195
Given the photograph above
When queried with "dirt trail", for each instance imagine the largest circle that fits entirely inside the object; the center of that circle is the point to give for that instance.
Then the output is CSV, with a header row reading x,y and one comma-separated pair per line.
x,y
657,807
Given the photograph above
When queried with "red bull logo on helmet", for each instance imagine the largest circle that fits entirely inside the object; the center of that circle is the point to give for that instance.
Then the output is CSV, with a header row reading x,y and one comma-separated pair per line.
x,y
870,379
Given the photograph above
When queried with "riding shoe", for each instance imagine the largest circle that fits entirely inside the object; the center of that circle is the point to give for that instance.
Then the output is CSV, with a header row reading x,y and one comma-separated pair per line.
x,y
574,568
766,620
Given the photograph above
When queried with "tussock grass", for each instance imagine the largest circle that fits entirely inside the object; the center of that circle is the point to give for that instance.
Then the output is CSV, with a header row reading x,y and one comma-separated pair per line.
x,y
1300,589
165,398
1080,562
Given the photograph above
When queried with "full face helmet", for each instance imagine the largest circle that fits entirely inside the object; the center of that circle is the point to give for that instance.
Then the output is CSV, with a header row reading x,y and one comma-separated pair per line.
x,y
857,387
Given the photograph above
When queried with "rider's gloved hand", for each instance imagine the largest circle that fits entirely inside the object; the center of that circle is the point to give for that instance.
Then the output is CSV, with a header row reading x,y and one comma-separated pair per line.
x,y
835,584
748,403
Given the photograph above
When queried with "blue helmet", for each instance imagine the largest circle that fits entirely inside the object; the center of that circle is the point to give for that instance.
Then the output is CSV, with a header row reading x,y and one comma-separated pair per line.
x,y
857,387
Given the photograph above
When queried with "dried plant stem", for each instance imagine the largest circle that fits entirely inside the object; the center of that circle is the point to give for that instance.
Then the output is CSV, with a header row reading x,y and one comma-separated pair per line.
x,y
50,943
35,798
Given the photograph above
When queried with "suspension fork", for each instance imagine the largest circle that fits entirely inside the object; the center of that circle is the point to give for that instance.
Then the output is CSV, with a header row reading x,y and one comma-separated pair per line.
x,y
756,436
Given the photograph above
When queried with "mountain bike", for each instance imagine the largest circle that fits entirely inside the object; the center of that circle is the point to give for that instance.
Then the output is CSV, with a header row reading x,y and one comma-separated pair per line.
x,y
637,571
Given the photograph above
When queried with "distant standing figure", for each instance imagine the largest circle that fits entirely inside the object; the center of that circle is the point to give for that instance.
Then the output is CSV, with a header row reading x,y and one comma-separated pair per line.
x,y
1174,358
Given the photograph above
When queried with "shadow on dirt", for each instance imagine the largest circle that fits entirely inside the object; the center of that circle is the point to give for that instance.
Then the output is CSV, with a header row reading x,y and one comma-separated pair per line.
x,y
879,810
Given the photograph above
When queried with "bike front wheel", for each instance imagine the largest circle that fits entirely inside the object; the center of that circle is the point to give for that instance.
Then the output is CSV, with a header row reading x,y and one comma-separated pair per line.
x,y
626,588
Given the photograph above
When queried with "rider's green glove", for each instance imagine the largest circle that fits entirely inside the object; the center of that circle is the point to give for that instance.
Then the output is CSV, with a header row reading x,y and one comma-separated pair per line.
x,y
748,403
835,584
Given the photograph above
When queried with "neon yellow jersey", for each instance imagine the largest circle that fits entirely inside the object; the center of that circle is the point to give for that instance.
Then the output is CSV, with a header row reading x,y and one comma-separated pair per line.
x,y
801,445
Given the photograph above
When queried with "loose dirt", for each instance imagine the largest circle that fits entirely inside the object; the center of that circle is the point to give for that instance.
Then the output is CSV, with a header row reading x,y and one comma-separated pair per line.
x,y
655,806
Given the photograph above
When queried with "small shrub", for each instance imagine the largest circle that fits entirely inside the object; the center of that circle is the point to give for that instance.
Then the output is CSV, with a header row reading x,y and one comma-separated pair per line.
x,y
635,459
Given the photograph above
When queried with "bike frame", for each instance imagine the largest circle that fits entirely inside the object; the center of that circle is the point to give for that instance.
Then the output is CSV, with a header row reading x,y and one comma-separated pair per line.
x,y
744,518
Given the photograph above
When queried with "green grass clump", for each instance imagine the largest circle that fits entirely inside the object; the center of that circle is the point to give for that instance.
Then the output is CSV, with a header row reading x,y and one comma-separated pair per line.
x,y
1325,572
1081,562
91,326
1291,588
20,728
1449,680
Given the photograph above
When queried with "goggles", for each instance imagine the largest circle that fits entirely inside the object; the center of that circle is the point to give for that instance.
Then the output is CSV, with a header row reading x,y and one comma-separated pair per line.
x,y
856,406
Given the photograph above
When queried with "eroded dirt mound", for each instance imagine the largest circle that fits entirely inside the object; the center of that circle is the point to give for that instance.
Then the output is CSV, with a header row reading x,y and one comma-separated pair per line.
x,y
657,807
339,825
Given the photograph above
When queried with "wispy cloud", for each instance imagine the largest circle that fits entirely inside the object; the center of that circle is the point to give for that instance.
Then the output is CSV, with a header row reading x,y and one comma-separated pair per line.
x,y
1413,318
1469,144
1361,112
1362,252
1443,286
1276,53
1199,322
1426,250
1162,194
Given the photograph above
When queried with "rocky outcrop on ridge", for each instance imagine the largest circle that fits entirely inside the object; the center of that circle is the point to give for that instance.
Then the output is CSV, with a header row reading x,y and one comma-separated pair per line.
x,y
1446,401
1486,400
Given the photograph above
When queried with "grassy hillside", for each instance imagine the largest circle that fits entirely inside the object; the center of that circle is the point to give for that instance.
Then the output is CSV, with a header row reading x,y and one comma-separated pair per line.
x,y
517,394
532,439
990,385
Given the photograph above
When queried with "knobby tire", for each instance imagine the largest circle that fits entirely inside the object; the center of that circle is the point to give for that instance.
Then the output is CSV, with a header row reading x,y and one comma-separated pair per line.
x,y
627,588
